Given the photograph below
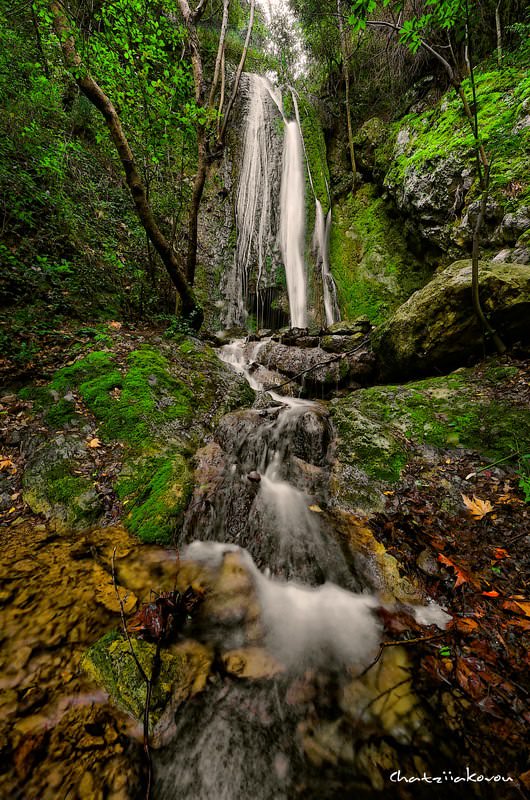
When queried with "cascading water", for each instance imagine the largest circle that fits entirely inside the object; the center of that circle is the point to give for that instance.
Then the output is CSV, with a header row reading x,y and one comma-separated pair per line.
x,y
257,205
272,476
260,484
321,250
292,201
256,198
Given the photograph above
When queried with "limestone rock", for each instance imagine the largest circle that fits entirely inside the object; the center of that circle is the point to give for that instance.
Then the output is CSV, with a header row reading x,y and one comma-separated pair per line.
x,y
436,328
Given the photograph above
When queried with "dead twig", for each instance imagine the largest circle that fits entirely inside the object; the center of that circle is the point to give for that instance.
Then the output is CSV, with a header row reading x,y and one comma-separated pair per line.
x,y
396,644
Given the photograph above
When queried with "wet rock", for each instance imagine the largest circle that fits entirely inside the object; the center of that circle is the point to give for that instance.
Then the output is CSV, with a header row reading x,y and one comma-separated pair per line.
x,y
426,195
322,373
230,613
183,671
349,327
428,562
436,328
367,140
253,663
53,485
514,224
341,344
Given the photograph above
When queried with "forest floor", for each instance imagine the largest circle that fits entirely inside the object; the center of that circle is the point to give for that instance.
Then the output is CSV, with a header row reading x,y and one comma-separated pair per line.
x,y
58,730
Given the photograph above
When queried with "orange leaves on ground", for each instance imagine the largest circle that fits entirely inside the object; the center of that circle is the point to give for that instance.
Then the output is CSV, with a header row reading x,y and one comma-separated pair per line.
x,y
464,624
94,443
490,594
5,464
478,508
461,575
499,553
115,325
517,606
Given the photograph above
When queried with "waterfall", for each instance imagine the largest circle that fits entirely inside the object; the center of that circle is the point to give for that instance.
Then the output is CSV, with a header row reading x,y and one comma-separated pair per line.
x,y
321,251
255,198
266,216
292,202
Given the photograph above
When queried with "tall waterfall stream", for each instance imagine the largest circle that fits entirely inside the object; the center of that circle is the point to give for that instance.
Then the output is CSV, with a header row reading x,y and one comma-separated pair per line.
x,y
263,479
266,164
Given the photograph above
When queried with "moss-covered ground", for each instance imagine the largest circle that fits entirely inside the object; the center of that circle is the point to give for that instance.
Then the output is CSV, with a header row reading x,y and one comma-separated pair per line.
x,y
124,422
383,429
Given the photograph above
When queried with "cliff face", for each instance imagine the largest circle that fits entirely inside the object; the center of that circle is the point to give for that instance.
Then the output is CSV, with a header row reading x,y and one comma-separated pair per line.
x,y
418,200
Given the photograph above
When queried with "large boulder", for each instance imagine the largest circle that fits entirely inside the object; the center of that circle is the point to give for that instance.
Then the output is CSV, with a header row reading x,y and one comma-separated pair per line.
x,y
436,328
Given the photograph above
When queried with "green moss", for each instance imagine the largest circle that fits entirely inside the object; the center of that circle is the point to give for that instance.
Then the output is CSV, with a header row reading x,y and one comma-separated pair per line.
x,y
110,663
54,489
380,428
500,94
315,151
458,410
63,487
60,414
368,443
155,491
372,267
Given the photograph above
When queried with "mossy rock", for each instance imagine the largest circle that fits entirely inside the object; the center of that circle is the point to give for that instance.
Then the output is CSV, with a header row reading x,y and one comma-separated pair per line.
x,y
159,404
370,262
183,671
53,486
381,430
436,328
155,491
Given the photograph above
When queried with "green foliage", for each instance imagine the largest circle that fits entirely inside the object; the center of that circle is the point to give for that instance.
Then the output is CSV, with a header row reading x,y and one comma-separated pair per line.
x,y
501,93
524,476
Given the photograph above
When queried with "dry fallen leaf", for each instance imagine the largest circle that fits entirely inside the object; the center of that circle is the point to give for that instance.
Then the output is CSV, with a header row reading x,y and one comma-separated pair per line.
x,y
499,553
461,576
316,509
491,594
115,325
94,443
5,463
477,507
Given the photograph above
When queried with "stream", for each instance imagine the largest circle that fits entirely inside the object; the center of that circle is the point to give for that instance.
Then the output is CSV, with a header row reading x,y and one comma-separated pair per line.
x,y
259,514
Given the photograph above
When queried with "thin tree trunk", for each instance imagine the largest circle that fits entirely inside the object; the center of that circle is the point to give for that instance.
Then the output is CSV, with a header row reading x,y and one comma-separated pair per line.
x,y
99,99
45,66
484,169
346,77
195,205
219,61
222,94
498,27
475,287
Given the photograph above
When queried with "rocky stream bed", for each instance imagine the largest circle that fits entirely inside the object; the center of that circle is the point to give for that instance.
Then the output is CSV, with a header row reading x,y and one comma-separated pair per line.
x,y
413,493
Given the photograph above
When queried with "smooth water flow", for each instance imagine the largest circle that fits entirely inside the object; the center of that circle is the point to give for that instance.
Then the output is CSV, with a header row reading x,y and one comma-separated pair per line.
x,y
292,232
254,203
285,594
321,235
273,475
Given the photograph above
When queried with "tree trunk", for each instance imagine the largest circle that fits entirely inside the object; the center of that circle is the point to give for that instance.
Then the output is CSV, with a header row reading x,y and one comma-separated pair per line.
x,y
239,70
498,27
195,206
346,77
93,92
